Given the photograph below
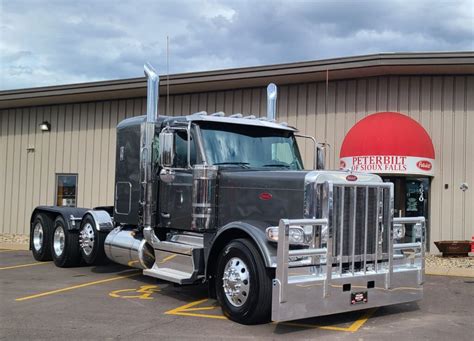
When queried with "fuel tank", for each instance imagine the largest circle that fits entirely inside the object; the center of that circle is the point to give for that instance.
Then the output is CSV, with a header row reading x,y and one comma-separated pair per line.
x,y
129,248
264,196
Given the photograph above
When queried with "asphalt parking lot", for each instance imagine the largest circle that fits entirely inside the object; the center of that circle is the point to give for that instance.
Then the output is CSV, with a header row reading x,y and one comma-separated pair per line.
x,y
40,301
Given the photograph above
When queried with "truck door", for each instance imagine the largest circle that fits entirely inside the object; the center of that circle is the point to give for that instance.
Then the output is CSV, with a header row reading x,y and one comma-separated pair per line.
x,y
176,196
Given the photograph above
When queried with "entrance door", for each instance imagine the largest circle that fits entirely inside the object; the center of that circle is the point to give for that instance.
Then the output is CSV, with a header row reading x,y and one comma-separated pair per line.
x,y
411,200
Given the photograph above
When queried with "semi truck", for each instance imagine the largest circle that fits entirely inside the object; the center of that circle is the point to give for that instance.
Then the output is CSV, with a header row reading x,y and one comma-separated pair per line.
x,y
225,200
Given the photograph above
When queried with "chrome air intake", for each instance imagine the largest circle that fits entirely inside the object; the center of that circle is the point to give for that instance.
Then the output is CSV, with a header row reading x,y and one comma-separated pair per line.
x,y
127,248
204,197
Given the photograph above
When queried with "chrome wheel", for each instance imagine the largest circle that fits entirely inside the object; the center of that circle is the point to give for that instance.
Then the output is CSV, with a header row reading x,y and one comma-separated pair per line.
x,y
86,239
236,282
58,240
38,234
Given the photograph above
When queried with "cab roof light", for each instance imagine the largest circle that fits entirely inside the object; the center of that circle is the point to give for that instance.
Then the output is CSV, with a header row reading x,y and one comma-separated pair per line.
x,y
238,115
218,114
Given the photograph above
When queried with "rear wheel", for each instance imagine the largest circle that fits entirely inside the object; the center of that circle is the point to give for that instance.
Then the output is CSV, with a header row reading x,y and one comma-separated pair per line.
x,y
41,237
91,242
243,284
65,245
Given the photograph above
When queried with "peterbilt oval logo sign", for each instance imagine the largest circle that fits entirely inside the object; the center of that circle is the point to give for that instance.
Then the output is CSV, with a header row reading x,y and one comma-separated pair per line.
x,y
351,177
424,165
265,196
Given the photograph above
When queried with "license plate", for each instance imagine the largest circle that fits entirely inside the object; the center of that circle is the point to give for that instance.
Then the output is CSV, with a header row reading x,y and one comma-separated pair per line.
x,y
359,297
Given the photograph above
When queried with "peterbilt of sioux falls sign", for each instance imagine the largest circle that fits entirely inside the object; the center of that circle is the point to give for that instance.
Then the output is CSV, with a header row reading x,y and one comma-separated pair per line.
x,y
388,143
388,164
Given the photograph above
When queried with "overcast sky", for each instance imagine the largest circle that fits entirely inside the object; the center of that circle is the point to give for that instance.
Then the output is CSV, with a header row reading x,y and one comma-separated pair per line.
x,y
51,42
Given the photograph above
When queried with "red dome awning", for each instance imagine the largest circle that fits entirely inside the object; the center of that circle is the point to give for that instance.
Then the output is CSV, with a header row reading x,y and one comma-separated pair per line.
x,y
388,142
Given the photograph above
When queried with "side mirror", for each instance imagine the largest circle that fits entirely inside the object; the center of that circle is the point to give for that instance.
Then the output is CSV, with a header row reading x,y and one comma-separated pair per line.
x,y
166,149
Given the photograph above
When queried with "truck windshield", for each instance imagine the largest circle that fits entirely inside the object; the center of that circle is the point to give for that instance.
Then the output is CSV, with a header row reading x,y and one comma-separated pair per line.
x,y
250,147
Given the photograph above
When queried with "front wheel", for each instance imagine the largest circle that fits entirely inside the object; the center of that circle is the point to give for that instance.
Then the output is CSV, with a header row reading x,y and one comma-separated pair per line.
x,y
243,284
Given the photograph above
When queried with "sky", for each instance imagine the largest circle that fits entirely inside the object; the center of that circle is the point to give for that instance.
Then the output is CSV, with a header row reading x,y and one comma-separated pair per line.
x,y
52,42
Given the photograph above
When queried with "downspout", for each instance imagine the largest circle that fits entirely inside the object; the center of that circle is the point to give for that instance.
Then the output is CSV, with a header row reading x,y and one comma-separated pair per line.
x,y
147,164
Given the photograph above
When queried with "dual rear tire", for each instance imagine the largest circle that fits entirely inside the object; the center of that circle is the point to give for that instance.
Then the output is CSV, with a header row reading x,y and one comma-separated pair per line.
x,y
52,240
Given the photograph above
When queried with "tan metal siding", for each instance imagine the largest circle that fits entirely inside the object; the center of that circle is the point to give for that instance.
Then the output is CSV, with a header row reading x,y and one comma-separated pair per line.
x,y
82,139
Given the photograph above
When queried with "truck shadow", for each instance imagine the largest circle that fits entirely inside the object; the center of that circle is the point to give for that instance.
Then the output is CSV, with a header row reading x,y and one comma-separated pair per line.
x,y
185,294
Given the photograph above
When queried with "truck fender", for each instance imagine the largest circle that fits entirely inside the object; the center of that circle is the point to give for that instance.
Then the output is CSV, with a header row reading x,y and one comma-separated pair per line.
x,y
242,229
103,220
71,215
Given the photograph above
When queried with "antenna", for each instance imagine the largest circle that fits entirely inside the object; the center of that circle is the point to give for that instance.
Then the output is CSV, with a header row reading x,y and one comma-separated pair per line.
x,y
326,103
167,75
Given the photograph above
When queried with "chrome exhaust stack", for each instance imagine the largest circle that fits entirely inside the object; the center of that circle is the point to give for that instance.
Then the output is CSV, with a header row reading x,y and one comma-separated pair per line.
x,y
153,83
147,171
272,93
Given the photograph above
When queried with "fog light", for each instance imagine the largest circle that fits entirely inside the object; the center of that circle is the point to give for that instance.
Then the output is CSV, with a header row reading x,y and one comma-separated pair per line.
x,y
398,231
296,234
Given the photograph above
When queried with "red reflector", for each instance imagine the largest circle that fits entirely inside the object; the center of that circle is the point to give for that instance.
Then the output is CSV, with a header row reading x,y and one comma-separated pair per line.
x,y
351,177
265,196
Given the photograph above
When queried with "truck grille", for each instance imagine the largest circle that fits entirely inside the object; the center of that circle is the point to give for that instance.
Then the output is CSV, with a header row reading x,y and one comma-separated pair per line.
x,y
360,218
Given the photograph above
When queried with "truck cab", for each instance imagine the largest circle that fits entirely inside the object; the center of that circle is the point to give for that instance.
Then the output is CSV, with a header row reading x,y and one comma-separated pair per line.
x,y
226,200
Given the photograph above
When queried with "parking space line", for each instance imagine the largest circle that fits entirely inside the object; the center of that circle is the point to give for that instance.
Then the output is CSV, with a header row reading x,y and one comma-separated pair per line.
x,y
185,310
52,292
192,308
23,265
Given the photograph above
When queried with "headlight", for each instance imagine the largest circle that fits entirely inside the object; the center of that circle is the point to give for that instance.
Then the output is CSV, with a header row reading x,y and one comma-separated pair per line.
x,y
398,231
296,234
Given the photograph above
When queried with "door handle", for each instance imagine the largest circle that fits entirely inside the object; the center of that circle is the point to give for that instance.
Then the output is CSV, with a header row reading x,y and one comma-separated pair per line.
x,y
165,215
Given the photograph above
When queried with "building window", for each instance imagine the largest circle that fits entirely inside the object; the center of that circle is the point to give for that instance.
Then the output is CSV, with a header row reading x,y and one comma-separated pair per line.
x,y
66,190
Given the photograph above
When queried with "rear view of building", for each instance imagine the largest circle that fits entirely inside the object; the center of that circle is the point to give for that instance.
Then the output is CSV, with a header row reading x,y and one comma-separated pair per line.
x,y
406,117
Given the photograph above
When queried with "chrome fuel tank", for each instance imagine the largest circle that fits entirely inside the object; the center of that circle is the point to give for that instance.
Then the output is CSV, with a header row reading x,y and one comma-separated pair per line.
x,y
127,247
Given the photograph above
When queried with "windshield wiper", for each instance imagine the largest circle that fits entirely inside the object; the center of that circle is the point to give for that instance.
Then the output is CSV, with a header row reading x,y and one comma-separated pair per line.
x,y
277,165
243,164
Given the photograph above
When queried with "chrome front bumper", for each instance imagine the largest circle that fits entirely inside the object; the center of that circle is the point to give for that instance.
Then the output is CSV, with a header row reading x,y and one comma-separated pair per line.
x,y
313,282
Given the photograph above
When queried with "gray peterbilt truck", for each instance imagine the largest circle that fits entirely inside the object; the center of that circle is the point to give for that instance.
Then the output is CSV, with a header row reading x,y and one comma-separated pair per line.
x,y
225,200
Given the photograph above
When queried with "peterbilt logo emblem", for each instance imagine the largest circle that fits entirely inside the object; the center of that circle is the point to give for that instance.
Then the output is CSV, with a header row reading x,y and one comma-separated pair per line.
x,y
265,196
342,164
351,177
424,165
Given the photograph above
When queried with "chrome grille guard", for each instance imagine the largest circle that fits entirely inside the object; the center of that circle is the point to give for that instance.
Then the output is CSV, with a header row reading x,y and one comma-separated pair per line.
x,y
308,281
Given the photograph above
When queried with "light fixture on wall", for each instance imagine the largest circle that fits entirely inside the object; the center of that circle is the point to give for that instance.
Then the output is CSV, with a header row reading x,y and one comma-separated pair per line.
x,y
45,126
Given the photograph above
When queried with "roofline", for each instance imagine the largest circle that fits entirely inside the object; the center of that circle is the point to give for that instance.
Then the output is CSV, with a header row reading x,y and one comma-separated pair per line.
x,y
288,73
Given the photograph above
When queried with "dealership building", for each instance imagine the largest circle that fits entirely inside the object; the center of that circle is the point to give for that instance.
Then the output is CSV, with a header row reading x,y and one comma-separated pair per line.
x,y
408,117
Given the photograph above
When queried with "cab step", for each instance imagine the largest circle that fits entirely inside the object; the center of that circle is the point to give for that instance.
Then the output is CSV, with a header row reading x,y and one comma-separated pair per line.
x,y
179,259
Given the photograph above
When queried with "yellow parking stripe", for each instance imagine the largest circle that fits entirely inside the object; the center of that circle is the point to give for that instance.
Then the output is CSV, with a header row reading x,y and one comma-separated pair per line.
x,y
190,308
23,265
361,321
52,292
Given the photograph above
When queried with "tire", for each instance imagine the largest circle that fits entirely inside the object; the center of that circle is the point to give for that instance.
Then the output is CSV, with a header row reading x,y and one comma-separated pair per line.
x,y
64,245
40,235
91,242
241,263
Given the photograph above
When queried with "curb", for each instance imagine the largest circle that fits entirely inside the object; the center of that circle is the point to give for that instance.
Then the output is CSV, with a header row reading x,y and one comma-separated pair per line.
x,y
14,246
453,272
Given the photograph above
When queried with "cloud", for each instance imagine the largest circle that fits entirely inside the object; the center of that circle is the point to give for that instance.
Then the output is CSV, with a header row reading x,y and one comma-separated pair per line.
x,y
57,42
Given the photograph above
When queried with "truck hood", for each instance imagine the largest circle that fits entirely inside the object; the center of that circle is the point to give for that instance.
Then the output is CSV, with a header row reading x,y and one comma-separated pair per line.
x,y
265,196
